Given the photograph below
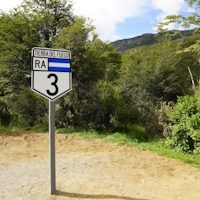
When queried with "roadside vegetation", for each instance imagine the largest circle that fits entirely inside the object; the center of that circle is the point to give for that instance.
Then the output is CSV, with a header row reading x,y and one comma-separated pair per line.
x,y
147,96
136,137
133,139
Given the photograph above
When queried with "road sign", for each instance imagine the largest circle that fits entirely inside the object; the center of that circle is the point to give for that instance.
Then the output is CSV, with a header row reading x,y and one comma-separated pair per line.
x,y
51,72
51,77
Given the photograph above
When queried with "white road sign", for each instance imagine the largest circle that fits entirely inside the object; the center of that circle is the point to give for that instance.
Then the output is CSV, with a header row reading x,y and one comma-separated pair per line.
x,y
51,72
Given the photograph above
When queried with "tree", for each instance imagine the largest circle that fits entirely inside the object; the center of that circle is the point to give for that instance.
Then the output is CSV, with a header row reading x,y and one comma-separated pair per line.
x,y
33,23
153,74
192,20
49,16
93,63
17,37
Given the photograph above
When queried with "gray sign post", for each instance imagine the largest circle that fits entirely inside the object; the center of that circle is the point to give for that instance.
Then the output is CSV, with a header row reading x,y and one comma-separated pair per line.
x,y
51,78
52,147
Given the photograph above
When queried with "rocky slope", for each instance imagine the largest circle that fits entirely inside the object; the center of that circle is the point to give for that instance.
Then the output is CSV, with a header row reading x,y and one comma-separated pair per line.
x,y
142,40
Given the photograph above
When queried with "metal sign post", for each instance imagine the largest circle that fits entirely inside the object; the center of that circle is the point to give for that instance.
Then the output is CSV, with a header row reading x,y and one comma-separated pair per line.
x,y
52,147
51,78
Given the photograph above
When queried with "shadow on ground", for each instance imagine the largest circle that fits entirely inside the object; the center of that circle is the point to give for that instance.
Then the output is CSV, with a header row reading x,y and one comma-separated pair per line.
x,y
92,196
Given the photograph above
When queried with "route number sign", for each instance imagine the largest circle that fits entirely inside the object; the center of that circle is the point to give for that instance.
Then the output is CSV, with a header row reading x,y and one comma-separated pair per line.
x,y
51,72
51,77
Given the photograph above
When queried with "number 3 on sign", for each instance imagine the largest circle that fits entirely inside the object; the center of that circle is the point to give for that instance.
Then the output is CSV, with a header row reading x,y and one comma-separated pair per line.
x,y
53,84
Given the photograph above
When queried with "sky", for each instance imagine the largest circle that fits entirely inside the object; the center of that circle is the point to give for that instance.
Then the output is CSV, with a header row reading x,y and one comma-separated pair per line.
x,y
121,19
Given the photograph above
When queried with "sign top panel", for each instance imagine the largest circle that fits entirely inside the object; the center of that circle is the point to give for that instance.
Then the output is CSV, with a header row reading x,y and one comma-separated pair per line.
x,y
50,53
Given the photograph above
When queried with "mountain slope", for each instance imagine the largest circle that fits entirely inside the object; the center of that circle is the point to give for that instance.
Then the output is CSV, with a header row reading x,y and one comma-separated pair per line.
x,y
142,40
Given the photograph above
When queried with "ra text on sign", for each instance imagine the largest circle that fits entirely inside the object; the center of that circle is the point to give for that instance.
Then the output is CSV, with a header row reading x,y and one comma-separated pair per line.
x,y
51,72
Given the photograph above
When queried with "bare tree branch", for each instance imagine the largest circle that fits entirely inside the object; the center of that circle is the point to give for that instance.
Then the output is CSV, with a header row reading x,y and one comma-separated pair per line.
x,y
193,85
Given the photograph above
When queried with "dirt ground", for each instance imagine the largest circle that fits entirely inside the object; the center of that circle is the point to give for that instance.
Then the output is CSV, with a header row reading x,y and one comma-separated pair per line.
x,y
90,169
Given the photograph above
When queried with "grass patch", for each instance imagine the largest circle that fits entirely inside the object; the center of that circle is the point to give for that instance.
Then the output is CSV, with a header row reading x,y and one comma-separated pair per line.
x,y
137,138
12,129
134,136
40,127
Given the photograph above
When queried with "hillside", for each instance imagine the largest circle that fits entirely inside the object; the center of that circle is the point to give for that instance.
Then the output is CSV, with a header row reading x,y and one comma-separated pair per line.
x,y
142,40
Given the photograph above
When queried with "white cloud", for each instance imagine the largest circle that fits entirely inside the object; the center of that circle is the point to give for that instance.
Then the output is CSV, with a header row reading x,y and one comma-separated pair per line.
x,y
107,13
169,7
9,4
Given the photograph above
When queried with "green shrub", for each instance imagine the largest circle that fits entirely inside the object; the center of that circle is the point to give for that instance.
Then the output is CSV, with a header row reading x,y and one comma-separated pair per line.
x,y
185,119
5,116
163,118
27,108
151,121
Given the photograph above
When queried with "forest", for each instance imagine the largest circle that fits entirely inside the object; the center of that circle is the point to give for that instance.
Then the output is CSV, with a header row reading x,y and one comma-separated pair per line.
x,y
152,86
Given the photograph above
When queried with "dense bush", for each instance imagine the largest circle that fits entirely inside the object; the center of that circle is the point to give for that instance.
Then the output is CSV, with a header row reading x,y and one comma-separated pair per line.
x,y
163,119
101,108
27,109
185,124
5,116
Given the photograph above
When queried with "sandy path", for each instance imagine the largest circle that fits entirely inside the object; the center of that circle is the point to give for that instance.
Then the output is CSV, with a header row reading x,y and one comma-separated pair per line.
x,y
90,169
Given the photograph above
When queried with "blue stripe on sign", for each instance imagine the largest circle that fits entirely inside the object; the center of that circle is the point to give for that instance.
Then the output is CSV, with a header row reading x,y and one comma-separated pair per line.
x,y
59,65
55,60
60,69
